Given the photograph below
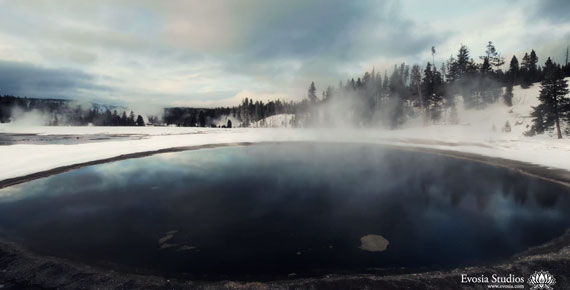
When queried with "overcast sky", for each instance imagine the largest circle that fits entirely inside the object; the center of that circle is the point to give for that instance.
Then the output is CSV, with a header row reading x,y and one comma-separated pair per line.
x,y
214,52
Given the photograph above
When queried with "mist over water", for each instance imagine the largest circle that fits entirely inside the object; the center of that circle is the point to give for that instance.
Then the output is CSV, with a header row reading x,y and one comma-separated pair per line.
x,y
266,211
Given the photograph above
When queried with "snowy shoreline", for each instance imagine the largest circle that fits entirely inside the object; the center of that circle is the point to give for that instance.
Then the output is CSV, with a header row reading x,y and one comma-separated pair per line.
x,y
544,158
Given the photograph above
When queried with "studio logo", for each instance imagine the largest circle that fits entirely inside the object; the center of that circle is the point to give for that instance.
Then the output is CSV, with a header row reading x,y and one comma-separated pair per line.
x,y
541,280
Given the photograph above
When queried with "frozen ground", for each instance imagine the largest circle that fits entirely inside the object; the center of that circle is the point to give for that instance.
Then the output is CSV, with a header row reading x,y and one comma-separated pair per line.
x,y
474,134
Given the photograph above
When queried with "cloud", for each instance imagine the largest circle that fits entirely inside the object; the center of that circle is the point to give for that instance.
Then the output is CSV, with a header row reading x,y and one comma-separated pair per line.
x,y
23,79
338,31
288,44
555,11
262,47
212,52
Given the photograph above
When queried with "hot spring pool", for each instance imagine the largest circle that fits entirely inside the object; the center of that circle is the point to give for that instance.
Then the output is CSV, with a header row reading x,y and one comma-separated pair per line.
x,y
267,211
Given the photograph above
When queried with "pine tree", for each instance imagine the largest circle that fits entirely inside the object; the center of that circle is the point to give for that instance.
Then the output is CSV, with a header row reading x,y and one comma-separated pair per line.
x,y
461,65
416,84
395,102
312,93
554,104
443,71
539,123
432,84
378,85
427,81
124,119
328,94
366,78
489,88
533,66
493,58
526,77
433,55
513,70
394,81
131,121
201,119
486,66
140,121
449,65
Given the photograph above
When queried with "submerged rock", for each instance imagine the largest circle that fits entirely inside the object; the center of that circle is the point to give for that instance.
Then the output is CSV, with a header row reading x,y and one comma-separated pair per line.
x,y
373,243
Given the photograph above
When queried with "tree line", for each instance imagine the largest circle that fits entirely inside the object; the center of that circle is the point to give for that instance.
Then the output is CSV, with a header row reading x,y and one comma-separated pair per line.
x,y
195,117
247,112
427,92
66,112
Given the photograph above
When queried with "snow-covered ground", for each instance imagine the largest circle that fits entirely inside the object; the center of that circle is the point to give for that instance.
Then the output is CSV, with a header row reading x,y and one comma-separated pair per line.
x,y
474,134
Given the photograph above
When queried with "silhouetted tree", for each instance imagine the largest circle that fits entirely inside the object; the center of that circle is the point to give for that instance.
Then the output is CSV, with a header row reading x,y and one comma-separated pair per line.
x,y
513,71
554,104
416,84
201,119
312,93
131,121
460,66
529,69
140,121
494,59
533,66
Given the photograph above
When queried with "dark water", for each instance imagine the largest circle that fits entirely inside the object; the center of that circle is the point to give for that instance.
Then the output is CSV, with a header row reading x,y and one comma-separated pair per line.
x,y
267,211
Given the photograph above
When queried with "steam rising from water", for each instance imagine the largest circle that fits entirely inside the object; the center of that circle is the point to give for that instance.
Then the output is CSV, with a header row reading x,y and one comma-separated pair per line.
x,y
30,118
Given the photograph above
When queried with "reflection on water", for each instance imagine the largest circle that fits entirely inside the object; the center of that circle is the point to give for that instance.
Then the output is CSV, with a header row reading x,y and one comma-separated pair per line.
x,y
265,210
